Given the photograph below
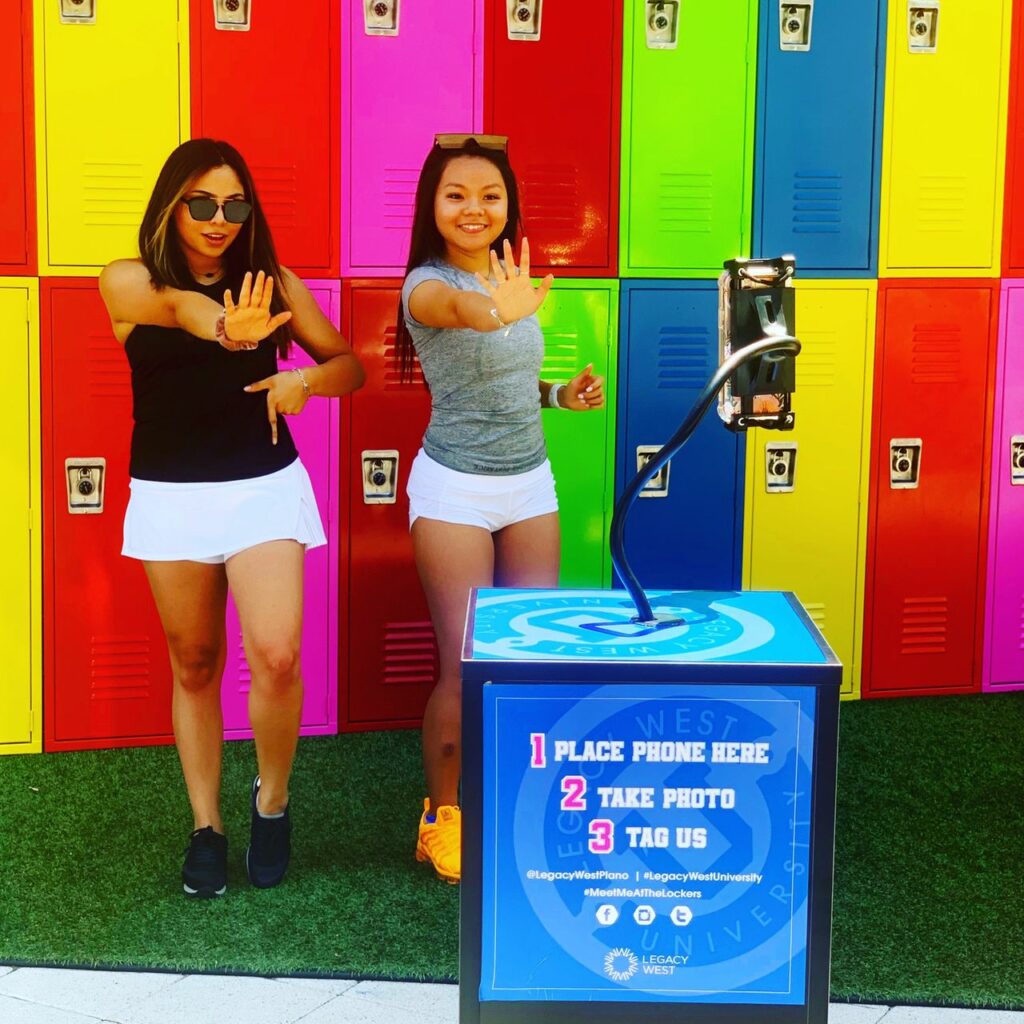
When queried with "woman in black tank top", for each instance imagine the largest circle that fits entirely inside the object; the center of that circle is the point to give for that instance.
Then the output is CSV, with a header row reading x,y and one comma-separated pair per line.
x,y
219,497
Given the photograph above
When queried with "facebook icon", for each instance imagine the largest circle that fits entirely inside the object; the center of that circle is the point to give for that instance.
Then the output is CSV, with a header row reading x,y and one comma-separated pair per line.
x,y
607,914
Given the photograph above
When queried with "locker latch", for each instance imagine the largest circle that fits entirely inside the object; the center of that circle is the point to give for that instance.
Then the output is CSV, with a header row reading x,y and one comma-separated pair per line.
x,y
904,462
78,12
232,15
923,25
85,484
780,467
380,477
1017,460
662,24
657,486
795,25
380,17
524,19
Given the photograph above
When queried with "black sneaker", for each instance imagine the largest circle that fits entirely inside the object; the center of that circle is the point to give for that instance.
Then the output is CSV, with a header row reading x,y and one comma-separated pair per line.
x,y
266,860
205,872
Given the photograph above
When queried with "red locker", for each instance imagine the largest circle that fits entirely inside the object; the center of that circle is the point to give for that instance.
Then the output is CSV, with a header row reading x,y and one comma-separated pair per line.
x,y
568,58
107,677
924,594
17,160
392,653
1013,215
266,78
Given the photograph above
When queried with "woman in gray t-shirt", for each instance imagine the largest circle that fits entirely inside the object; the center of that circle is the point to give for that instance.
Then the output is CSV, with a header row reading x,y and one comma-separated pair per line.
x,y
482,507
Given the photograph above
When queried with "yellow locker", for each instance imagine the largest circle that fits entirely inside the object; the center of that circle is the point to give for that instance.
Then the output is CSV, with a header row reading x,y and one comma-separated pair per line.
x,y
111,104
805,520
944,138
20,606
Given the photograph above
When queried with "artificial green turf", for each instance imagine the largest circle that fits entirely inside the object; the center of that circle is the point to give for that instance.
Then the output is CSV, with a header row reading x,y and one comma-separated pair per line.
x,y
929,859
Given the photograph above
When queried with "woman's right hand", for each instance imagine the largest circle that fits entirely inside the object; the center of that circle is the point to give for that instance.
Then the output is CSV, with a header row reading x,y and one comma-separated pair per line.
x,y
514,295
249,321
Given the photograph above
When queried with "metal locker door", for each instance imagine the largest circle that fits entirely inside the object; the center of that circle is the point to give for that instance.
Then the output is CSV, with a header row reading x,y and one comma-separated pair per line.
x,y
17,197
688,532
316,436
805,530
1013,228
819,124
392,660
568,179
20,625
265,77
107,673
580,321
928,514
1004,626
944,144
688,83
109,111
410,71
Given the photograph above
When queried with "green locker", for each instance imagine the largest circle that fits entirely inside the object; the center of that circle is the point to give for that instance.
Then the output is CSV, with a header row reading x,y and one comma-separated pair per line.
x,y
580,320
688,83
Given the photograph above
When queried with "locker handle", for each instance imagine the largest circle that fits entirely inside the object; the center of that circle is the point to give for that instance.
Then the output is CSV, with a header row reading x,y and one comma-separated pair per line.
x,y
1017,460
795,25
780,467
232,15
380,17
923,25
77,12
522,18
661,20
380,476
85,478
657,486
905,463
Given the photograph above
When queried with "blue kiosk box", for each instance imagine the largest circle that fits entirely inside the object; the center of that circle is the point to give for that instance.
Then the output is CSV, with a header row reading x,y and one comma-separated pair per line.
x,y
649,814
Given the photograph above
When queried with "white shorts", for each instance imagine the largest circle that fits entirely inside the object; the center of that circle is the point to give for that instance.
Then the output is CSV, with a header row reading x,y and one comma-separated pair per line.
x,y
471,499
210,522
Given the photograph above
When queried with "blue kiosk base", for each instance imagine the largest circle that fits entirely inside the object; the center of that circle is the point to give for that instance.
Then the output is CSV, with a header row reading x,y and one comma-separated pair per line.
x,y
649,811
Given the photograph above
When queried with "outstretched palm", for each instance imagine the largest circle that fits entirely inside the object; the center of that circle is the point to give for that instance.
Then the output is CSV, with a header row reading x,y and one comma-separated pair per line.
x,y
249,321
513,294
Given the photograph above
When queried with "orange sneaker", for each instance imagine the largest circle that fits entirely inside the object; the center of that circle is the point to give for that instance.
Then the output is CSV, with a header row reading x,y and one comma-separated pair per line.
x,y
440,842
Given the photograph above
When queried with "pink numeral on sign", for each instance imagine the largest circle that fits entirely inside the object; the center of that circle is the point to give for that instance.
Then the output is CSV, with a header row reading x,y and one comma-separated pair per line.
x,y
602,836
575,788
538,760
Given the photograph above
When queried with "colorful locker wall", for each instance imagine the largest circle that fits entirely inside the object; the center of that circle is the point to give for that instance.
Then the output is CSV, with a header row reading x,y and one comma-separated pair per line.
x,y
944,143
1013,229
21,729
264,77
816,173
807,490
108,113
924,589
568,168
17,144
687,137
406,75
1004,625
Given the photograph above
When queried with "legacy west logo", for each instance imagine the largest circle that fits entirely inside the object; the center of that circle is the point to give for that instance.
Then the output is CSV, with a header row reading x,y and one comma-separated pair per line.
x,y
621,964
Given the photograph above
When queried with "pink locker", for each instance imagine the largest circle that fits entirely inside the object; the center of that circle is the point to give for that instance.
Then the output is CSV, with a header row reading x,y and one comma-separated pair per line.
x,y
1004,622
316,436
409,70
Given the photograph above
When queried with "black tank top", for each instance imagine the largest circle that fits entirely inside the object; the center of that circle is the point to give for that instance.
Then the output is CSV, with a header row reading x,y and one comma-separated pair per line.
x,y
193,421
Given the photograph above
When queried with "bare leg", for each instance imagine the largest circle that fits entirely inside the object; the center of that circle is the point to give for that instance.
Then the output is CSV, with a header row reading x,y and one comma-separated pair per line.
x,y
190,598
527,553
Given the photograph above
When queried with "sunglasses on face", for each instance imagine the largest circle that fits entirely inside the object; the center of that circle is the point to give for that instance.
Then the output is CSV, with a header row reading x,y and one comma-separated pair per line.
x,y
456,141
236,211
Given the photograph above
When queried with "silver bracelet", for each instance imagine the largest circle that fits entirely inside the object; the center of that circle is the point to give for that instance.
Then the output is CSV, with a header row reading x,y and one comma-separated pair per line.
x,y
553,395
302,377
501,323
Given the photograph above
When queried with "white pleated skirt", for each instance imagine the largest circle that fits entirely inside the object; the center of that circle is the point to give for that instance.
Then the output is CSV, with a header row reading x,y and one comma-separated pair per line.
x,y
210,522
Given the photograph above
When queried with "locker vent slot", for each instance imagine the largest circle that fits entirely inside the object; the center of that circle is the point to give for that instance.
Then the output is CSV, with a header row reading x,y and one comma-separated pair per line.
x,y
278,190
816,610
925,625
817,368
942,203
109,373
113,194
551,195
242,666
410,654
685,203
393,368
936,354
817,203
683,357
561,353
399,197
120,667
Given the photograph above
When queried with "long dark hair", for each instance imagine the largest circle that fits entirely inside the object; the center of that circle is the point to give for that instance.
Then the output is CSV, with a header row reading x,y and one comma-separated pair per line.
x,y
253,248
427,244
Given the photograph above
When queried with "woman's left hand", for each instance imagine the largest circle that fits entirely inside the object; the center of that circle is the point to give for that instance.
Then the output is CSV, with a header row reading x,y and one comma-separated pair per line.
x,y
285,394
585,391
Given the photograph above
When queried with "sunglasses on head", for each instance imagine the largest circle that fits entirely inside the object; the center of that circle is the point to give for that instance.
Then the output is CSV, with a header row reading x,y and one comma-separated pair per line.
x,y
456,141
236,211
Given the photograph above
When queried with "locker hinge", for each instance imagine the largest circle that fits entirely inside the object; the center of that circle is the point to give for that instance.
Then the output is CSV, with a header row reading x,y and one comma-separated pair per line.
x,y
31,519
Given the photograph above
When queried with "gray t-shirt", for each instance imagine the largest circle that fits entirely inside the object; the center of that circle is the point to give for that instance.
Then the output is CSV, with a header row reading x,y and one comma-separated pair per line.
x,y
485,405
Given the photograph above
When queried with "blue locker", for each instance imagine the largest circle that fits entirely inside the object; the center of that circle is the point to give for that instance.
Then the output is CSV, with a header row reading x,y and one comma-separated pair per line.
x,y
692,536
818,143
